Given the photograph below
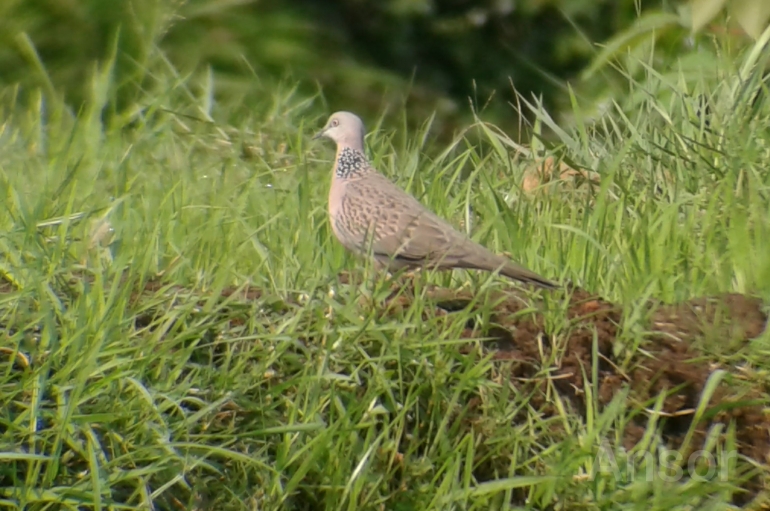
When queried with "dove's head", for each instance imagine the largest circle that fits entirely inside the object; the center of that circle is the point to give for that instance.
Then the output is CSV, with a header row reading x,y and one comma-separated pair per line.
x,y
344,128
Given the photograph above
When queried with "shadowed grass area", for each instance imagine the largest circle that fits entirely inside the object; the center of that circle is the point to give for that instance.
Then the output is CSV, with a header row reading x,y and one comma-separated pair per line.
x,y
176,335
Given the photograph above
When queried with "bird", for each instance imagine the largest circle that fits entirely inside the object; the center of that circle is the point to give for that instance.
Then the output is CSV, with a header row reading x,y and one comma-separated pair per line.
x,y
369,214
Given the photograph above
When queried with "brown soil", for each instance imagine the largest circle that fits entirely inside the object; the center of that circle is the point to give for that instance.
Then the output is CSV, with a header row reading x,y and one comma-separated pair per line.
x,y
672,360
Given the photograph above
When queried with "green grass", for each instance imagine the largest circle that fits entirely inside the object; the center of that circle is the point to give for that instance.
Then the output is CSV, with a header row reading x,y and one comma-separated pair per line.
x,y
306,397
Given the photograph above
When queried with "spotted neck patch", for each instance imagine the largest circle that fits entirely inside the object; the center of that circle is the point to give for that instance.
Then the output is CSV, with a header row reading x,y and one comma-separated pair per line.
x,y
350,163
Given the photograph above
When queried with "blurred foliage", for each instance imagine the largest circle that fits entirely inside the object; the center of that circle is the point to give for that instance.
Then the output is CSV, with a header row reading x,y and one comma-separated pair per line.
x,y
751,15
363,55
71,35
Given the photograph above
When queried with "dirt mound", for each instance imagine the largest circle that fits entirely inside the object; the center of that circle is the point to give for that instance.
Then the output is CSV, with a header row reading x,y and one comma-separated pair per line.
x,y
671,361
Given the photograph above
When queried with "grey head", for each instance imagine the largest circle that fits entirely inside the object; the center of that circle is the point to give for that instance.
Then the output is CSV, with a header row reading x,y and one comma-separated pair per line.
x,y
345,129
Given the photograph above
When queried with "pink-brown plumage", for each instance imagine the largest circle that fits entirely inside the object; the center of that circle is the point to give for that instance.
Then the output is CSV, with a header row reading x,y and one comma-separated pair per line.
x,y
371,215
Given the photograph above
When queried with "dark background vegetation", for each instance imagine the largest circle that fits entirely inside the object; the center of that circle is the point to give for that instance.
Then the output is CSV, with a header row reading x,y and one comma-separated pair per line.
x,y
437,55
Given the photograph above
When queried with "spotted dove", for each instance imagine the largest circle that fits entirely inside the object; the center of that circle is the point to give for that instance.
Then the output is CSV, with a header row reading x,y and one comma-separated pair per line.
x,y
371,215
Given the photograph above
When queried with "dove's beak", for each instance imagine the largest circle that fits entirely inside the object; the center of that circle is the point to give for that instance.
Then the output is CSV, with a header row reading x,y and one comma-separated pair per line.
x,y
320,134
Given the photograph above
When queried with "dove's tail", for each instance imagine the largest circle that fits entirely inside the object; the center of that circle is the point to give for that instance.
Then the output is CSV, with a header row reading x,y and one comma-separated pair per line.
x,y
515,272
480,258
